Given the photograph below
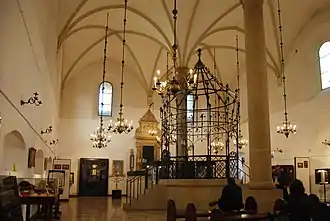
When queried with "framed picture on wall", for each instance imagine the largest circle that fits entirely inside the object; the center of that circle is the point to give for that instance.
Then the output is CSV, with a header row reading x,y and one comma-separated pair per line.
x,y
65,167
306,164
117,167
32,157
300,165
45,164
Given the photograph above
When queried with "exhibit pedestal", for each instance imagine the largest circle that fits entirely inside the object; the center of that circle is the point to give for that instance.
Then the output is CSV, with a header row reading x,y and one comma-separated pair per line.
x,y
116,194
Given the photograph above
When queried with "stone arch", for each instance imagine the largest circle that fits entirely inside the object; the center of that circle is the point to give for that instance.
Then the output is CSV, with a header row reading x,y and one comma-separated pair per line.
x,y
39,168
14,152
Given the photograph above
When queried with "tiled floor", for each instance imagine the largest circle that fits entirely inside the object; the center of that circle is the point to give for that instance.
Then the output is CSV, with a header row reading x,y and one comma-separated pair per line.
x,y
104,209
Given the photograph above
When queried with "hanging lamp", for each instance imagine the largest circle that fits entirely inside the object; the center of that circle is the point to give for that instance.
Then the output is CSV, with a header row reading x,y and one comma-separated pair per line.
x,y
101,137
122,125
286,128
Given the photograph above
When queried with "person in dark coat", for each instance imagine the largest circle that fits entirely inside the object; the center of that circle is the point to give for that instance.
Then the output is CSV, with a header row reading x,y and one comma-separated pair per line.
x,y
231,198
299,203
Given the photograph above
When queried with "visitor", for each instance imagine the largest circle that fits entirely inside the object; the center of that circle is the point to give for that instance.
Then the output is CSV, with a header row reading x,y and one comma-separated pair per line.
x,y
319,210
299,203
231,198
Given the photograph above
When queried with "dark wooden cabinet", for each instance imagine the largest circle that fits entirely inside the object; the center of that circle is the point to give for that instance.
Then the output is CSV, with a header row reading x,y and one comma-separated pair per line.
x,y
147,156
93,177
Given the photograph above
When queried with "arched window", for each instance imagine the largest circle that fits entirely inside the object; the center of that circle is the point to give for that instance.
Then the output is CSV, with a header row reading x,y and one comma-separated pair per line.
x,y
324,54
105,99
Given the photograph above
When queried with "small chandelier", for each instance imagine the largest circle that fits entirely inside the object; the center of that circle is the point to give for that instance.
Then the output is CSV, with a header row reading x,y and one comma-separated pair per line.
x,y
326,142
122,125
242,142
100,137
217,146
286,128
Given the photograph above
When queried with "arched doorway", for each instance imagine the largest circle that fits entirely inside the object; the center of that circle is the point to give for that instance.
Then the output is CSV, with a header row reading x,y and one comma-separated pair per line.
x,y
14,153
39,168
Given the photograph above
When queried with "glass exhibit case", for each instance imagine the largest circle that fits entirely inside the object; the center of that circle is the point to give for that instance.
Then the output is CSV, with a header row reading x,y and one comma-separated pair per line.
x,y
38,187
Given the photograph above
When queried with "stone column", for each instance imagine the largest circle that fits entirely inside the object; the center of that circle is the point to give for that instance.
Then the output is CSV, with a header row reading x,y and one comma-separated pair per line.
x,y
182,112
257,91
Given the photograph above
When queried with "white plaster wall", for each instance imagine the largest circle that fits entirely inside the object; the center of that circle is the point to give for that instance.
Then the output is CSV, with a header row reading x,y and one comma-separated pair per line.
x,y
309,106
28,65
79,116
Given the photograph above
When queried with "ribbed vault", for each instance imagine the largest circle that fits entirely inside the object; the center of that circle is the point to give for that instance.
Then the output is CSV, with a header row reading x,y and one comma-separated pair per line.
x,y
209,24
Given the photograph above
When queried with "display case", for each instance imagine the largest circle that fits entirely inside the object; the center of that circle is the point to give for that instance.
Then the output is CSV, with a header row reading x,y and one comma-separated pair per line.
x,y
38,187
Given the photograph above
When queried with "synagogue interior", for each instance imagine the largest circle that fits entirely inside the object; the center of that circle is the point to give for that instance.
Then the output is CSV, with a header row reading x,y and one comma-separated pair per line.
x,y
164,110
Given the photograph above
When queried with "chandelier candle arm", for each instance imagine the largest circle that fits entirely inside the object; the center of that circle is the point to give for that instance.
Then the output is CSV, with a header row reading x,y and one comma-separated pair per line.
x,y
286,128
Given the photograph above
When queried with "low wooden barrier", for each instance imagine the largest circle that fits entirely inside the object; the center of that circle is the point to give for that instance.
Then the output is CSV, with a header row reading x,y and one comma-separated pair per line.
x,y
190,214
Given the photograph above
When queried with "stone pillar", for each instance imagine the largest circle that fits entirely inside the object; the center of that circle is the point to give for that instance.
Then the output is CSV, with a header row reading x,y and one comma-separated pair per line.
x,y
257,91
182,73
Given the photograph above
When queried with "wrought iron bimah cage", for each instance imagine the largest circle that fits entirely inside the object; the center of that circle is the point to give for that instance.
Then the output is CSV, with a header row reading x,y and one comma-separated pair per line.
x,y
199,123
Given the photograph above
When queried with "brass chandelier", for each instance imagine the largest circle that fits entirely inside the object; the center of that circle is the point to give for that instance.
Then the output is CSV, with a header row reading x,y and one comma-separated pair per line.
x,y
122,125
101,136
286,128
171,85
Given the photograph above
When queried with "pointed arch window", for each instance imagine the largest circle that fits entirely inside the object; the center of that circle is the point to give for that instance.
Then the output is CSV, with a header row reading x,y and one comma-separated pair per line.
x,y
105,99
324,54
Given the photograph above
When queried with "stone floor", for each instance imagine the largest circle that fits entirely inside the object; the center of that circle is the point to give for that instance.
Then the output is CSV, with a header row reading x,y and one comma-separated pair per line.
x,y
104,209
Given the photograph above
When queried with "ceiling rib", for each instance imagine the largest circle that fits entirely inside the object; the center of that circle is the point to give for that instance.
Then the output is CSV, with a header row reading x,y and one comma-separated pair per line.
x,y
72,16
190,25
111,7
236,28
89,27
88,49
227,47
228,11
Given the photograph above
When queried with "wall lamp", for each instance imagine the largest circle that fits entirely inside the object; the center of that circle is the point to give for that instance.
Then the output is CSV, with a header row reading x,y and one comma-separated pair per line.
x,y
326,142
53,142
47,131
32,100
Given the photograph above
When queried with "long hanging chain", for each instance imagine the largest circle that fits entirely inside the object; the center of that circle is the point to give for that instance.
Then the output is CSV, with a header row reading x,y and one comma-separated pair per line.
x,y
282,62
175,46
238,86
123,65
104,69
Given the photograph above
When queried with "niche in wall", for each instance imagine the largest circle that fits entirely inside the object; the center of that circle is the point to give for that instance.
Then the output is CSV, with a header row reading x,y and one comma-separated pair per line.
x,y
14,152
39,168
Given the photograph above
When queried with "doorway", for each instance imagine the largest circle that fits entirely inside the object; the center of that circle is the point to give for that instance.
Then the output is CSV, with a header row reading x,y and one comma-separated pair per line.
x,y
147,156
93,177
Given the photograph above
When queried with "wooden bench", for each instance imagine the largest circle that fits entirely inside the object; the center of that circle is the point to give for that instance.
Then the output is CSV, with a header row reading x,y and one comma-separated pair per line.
x,y
189,215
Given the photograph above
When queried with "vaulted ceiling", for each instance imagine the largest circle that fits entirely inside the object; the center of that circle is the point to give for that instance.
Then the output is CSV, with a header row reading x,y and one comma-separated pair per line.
x,y
208,24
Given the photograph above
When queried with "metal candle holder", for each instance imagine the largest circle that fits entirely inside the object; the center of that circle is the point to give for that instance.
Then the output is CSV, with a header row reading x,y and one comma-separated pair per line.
x,y
47,131
32,100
